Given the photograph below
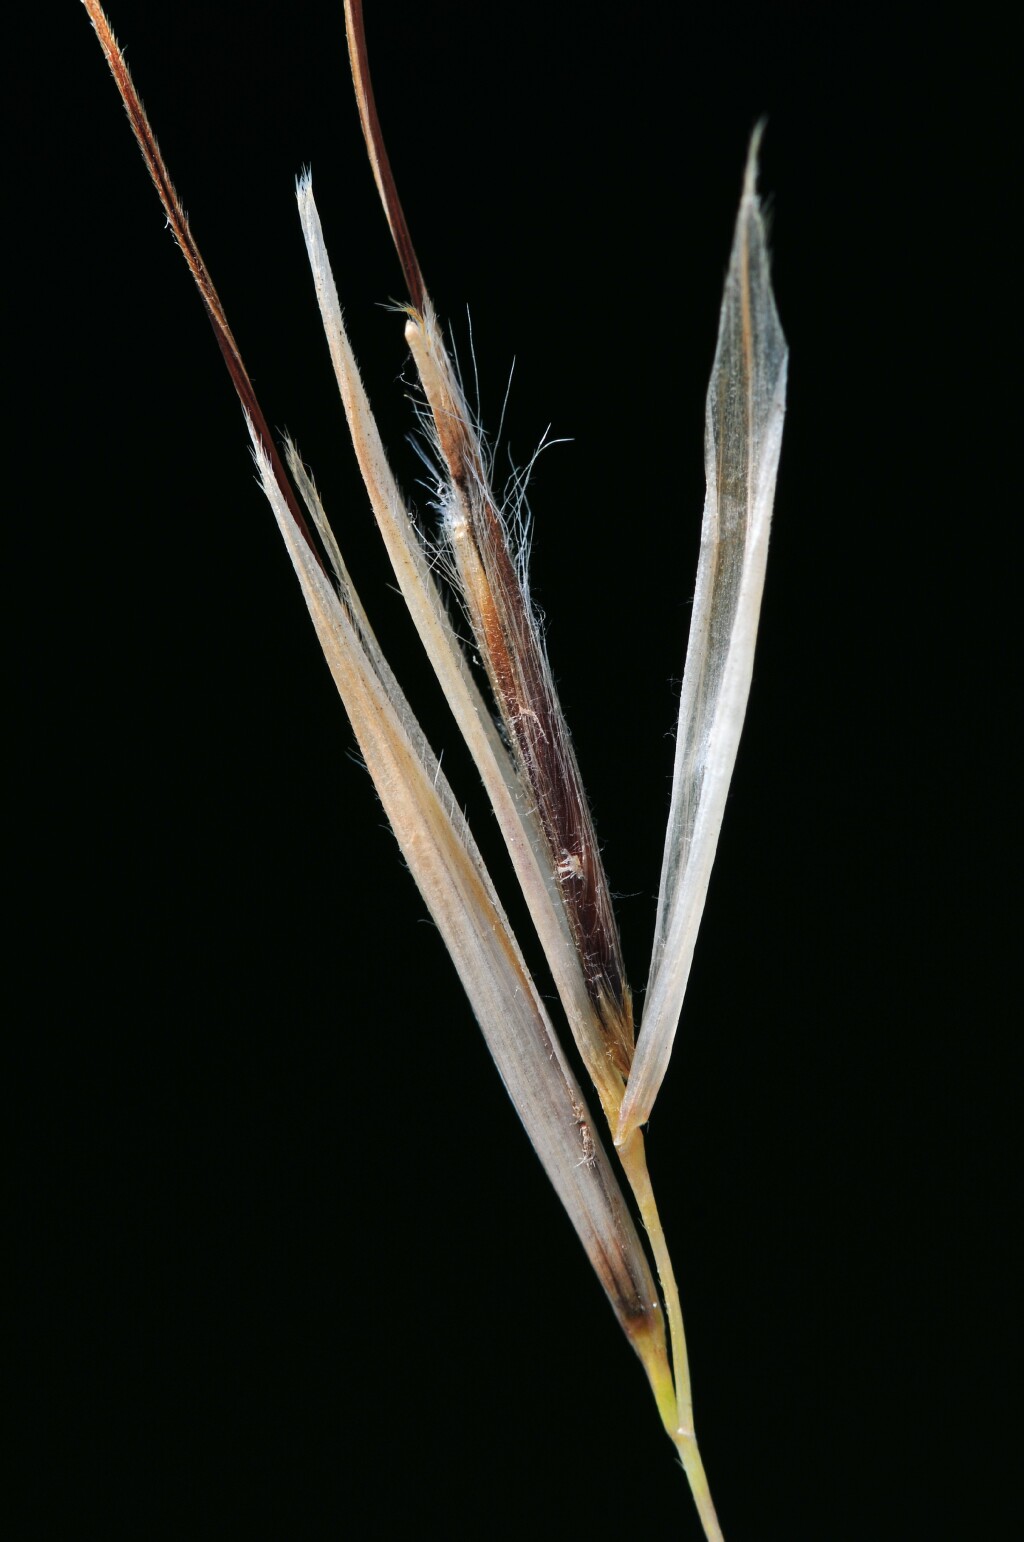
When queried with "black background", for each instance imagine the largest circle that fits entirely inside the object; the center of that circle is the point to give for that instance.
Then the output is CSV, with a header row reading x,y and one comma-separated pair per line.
x,y
298,1270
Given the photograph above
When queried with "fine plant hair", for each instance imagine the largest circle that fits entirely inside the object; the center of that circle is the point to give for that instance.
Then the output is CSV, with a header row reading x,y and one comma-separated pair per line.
x,y
518,738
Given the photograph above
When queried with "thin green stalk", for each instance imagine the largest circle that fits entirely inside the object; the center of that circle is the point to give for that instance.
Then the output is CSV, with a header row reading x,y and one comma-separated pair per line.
x,y
678,1421
694,1469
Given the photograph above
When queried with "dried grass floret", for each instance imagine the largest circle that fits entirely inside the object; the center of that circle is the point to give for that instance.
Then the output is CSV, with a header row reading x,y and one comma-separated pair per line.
x,y
528,767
